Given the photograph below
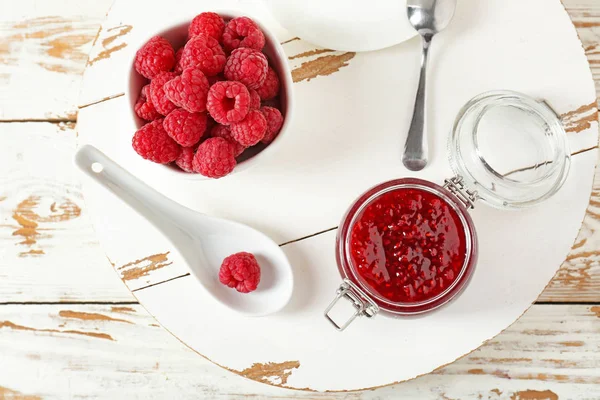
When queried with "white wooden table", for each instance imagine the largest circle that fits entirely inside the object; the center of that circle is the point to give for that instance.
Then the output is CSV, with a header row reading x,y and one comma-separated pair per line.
x,y
70,329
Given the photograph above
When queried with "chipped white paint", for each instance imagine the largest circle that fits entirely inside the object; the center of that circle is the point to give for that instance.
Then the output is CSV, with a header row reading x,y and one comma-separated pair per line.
x,y
43,51
43,256
153,363
142,361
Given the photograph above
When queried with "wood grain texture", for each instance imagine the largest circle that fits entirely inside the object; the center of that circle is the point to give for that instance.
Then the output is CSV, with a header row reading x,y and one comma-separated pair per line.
x,y
108,45
577,279
48,246
551,353
43,52
109,353
586,16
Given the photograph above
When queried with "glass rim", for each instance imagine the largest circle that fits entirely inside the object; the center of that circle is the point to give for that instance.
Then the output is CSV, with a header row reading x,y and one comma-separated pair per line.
x,y
548,184
348,269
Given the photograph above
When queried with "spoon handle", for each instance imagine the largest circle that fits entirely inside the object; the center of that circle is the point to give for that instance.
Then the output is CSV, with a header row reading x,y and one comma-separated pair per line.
x,y
415,149
161,211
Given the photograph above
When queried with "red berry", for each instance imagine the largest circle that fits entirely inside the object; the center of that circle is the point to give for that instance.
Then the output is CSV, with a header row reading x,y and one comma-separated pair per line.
x,y
254,100
178,68
184,127
156,56
243,32
185,159
216,78
153,143
210,123
224,132
214,158
274,102
228,102
188,90
206,53
247,66
144,107
157,93
270,87
208,24
274,123
240,271
251,129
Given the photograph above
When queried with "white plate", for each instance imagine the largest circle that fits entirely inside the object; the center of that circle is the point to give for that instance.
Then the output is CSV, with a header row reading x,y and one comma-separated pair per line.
x,y
352,114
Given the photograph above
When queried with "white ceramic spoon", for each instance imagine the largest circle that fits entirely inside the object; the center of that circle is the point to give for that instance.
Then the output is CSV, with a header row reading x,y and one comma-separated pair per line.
x,y
202,240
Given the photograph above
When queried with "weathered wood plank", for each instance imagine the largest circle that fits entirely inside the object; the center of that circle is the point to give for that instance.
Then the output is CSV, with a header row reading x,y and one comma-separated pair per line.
x,y
44,48
578,278
143,361
586,16
120,352
49,251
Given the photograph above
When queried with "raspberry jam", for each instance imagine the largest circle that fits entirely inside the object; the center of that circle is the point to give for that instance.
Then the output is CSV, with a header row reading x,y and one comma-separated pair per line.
x,y
408,244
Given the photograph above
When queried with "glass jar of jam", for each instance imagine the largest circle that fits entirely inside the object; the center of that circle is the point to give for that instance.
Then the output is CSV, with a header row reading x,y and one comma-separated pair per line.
x,y
409,246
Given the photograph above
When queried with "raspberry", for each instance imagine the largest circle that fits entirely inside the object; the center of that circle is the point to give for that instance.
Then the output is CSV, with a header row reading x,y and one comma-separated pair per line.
x,y
184,127
270,87
178,67
247,66
157,93
208,24
251,129
274,102
189,90
274,123
228,102
210,123
254,99
205,53
224,132
144,107
153,143
240,271
156,56
243,32
214,158
185,159
216,78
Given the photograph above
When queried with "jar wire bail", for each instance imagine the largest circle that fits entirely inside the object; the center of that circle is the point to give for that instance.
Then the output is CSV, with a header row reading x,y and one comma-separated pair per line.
x,y
362,304
457,187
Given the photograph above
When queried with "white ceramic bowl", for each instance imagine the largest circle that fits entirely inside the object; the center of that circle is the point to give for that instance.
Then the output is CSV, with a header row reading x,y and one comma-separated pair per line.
x,y
348,25
177,35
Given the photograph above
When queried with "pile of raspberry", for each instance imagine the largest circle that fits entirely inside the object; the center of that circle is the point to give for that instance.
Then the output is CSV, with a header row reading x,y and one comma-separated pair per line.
x,y
210,100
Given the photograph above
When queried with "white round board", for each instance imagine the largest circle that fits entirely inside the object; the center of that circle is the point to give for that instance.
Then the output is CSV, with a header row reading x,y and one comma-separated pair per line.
x,y
352,114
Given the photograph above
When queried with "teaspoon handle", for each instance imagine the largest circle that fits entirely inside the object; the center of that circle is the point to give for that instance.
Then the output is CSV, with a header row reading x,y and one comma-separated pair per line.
x,y
161,211
415,149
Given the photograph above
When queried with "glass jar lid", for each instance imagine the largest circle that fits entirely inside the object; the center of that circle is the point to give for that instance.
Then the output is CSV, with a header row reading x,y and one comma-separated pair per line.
x,y
510,148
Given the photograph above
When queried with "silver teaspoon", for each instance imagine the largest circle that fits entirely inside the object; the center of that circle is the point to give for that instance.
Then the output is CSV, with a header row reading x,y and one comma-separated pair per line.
x,y
428,17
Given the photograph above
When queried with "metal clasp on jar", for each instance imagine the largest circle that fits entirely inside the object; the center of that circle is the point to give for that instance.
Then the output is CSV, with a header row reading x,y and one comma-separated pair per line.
x,y
363,305
457,187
